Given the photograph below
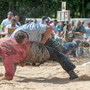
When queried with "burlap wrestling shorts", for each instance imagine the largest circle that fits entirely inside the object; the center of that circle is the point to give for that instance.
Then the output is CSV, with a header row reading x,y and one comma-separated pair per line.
x,y
39,53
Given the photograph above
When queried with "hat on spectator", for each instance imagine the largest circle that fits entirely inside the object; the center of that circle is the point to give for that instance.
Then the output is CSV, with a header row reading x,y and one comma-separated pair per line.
x,y
46,20
58,29
10,13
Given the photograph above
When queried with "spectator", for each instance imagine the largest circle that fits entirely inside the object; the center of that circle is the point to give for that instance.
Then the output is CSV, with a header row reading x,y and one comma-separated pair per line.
x,y
88,25
54,24
43,18
13,24
78,33
82,27
58,37
27,21
67,33
77,30
61,26
6,21
35,20
87,30
17,21
67,22
47,21
72,24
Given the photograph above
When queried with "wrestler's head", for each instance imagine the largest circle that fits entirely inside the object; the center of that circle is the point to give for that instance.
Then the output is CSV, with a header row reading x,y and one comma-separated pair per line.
x,y
21,37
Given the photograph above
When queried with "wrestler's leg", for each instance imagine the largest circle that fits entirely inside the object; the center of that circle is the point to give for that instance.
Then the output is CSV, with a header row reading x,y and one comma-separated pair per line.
x,y
53,44
66,64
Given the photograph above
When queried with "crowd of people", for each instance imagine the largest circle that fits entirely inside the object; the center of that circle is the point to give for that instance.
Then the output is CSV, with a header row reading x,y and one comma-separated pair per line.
x,y
39,42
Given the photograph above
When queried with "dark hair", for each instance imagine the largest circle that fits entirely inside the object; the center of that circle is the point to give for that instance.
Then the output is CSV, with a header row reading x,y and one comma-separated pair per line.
x,y
44,17
13,19
55,20
19,36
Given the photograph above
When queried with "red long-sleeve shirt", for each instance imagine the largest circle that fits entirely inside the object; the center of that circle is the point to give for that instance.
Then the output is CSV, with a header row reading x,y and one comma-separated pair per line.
x,y
12,53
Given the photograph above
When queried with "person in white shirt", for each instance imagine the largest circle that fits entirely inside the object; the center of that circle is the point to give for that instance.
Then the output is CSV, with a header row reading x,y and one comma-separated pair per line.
x,y
13,24
54,25
6,21
87,30
17,21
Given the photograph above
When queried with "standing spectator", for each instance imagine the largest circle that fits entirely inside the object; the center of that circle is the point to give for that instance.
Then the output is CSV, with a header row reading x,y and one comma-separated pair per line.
x,y
17,21
35,20
27,21
43,18
6,21
54,24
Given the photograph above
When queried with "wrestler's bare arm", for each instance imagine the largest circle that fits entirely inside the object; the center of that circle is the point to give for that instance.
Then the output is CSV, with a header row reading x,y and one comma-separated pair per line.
x,y
46,34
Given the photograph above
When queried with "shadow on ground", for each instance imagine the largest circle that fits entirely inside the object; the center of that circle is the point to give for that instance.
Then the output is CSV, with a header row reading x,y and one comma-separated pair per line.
x,y
54,80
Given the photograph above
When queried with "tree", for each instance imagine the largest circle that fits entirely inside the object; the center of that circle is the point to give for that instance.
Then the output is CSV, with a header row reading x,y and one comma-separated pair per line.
x,y
39,8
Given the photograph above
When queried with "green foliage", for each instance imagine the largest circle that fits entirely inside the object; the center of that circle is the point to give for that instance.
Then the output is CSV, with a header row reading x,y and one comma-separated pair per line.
x,y
0,26
39,8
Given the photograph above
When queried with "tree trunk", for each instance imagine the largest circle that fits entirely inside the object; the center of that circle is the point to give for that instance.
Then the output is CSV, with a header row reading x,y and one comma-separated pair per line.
x,y
83,9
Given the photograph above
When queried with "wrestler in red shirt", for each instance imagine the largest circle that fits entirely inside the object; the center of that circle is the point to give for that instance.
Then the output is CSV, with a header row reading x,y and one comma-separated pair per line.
x,y
13,51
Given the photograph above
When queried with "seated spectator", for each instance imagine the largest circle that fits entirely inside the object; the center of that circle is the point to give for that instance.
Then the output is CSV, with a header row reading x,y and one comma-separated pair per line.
x,y
67,33
58,37
87,30
88,25
82,27
13,24
11,27
61,25
78,33
6,21
72,24
17,21
77,30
